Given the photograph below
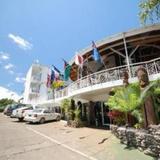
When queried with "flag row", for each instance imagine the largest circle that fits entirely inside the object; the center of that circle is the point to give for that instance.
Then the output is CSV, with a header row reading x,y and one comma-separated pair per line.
x,y
55,74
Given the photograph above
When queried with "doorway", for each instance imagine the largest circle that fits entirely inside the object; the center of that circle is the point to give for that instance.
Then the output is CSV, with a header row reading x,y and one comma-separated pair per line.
x,y
101,114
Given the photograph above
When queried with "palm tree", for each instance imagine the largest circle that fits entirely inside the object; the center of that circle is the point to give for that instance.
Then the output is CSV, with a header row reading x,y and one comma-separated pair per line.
x,y
65,105
68,108
149,10
126,99
130,99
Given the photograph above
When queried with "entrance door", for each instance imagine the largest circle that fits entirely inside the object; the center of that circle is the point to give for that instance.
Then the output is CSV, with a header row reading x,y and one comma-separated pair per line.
x,y
105,117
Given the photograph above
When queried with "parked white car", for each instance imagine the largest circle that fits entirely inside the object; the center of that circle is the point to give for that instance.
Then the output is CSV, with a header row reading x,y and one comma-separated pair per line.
x,y
42,115
21,112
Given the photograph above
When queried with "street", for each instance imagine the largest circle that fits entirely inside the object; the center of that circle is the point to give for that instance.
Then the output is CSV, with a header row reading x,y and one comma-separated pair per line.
x,y
52,141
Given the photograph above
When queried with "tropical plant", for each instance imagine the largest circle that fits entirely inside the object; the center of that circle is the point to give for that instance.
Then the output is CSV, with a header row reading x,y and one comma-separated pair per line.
x,y
149,9
65,105
116,117
77,114
77,120
57,84
130,99
138,125
126,100
67,108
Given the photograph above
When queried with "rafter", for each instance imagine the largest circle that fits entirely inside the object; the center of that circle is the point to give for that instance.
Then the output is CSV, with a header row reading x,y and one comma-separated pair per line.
x,y
134,50
119,53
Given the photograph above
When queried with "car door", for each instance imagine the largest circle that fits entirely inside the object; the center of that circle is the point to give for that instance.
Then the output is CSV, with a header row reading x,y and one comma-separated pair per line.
x,y
53,115
47,115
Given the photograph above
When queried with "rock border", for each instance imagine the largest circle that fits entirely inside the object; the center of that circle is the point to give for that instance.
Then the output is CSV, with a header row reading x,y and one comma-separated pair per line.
x,y
146,140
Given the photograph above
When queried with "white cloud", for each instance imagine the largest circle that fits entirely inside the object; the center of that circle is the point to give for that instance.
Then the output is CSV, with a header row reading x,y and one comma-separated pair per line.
x,y
11,72
5,93
22,43
20,79
8,66
10,84
4,56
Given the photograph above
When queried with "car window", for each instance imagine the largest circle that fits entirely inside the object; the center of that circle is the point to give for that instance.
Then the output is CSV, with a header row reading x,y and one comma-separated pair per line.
x,y
46,111
52,111
30,108
38,107
37,111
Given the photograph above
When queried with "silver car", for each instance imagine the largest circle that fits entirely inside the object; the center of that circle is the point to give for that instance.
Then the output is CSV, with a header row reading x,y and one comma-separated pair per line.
x,y
42,115
21,112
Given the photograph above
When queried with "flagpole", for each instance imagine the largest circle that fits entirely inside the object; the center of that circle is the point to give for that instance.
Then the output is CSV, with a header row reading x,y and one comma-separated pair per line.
x,y
78,73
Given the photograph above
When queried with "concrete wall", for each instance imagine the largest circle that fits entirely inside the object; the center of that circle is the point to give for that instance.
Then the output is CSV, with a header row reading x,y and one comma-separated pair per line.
x,y
42,94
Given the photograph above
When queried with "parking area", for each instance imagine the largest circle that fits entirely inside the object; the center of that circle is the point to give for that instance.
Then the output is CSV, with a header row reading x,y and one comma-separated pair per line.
x,y
49,141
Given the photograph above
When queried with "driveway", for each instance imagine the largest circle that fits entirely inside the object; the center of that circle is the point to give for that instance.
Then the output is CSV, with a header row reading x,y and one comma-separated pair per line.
x,y
55,141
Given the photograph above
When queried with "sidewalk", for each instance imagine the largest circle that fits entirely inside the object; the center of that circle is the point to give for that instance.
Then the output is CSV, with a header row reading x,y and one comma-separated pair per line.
x,y
98,143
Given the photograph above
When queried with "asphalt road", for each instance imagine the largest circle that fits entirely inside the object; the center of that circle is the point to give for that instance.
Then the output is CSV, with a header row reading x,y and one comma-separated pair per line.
x,y
17,142
55,141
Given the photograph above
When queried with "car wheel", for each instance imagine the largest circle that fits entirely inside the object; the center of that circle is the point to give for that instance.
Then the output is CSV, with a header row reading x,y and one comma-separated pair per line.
x,y
42,120
20,119
58,118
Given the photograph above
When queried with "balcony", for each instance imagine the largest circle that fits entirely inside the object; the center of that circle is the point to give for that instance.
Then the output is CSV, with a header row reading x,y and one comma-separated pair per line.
x,y
34,91
36,79
107,79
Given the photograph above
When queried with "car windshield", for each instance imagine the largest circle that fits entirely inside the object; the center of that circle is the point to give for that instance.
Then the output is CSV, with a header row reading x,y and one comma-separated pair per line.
x,y
37,110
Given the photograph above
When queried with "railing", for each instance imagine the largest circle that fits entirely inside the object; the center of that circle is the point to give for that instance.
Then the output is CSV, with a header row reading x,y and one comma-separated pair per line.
x,y
108,75
98,78
36,78
34,91
61,93
152,67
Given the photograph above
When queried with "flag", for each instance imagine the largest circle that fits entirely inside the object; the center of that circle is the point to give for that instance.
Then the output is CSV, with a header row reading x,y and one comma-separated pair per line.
x,y
67,72
48,84
67,69
65,63
56,69
61,77
52,75
78,60
57,72
96,55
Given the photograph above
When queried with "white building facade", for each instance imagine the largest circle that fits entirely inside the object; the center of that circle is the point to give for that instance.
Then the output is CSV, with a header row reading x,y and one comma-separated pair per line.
x,y
36,90
123,52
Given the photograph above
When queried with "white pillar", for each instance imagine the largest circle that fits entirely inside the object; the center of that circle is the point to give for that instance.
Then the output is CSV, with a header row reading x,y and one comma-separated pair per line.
x,y
127,58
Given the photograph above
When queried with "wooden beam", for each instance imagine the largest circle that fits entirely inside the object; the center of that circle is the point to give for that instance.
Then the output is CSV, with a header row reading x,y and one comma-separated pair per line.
x,y
134,50
119,53
133,41
151,45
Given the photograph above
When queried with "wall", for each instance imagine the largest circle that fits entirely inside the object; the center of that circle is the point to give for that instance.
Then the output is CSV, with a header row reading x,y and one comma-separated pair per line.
x,y
30,98
145,140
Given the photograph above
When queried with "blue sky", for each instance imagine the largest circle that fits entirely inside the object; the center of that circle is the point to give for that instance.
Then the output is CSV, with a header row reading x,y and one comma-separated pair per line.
x,y
48,30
